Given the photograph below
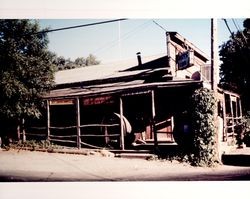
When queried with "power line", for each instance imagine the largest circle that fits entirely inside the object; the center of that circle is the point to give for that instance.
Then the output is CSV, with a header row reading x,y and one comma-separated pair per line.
x,y
159,26
236,39
122,38
228,27
78,26
240,31
235,25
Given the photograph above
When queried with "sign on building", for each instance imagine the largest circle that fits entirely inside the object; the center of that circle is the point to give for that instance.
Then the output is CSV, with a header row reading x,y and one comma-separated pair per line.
x,y
98,100
185,59
62,102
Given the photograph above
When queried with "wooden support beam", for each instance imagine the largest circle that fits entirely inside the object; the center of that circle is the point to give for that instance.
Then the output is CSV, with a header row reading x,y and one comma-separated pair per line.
x,y
224,120
106,135
78,121
23,130
153,120
232,113
48,119
153,103
121,124
240,108
18,129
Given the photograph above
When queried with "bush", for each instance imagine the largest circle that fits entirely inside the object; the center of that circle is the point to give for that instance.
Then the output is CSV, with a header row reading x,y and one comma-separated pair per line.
x,y
203,152
34,144
246,124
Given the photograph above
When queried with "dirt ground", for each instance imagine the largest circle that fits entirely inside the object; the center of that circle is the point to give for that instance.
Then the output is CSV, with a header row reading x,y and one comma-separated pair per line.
x,y
30,174
30,166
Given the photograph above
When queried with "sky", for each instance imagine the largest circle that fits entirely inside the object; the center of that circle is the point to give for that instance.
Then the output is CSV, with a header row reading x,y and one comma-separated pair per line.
x,y
122,40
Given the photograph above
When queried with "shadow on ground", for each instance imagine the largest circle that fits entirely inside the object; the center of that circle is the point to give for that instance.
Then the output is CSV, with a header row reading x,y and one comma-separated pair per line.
x,y
236,159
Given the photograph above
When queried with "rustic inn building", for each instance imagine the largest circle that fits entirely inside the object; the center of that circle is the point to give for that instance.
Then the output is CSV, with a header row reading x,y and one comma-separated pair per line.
x,y
127,104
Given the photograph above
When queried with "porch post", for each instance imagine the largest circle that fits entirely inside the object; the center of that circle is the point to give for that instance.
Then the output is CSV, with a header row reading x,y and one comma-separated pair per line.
x,y
121,124
240,108
23,130
18,129
78,121
48,119
224,120
232,113
153,120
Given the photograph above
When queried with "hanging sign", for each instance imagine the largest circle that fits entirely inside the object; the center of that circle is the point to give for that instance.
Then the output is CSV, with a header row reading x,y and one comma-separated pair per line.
x,y
185,60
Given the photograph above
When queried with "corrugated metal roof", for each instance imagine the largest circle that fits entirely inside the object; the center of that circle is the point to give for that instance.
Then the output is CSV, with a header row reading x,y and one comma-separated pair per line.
x,y
116,70
102,71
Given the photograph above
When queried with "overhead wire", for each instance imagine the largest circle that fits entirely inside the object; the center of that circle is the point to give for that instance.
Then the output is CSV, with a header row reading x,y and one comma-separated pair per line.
x,y
109,44
228,27
237,41
239,30
236,25
122,38
159,25
78,26
128,35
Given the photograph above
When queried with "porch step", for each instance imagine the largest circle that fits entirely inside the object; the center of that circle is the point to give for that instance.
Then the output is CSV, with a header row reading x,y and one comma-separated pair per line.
x,y
134,155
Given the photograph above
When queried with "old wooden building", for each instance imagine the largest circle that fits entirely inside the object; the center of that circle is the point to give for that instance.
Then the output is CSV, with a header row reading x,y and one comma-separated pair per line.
x,y
130,103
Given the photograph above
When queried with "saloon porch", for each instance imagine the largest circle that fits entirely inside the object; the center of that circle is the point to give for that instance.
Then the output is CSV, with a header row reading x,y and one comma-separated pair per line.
x,y
121,115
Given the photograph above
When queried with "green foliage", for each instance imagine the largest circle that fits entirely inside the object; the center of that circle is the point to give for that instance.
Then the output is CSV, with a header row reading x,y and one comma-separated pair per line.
x,y
34,145
91,60
26,70
64,64
246,130
203,126
235,67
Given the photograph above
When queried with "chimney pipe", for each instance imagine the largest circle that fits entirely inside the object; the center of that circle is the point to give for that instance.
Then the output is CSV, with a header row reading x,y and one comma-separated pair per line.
x,y
139,58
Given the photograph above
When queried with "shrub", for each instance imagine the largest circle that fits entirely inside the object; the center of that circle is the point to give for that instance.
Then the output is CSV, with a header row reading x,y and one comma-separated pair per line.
x,y
246,126
203,152
34,144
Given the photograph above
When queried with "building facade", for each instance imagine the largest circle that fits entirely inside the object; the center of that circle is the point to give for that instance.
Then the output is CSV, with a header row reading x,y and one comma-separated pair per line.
x,y
129,104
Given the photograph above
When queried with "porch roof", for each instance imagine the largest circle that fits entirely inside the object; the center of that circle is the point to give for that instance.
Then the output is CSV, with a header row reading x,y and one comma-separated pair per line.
x,y
120,88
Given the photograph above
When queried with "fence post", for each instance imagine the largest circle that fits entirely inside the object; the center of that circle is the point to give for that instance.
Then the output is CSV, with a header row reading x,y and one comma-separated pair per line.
x,y
48,119
78,121
23,130
121,124
153,120
232,114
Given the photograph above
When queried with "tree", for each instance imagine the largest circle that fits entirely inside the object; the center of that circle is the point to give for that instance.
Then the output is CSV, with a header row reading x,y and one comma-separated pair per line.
x,y
91,60
59,61
26,70
235,67
80,62
64,64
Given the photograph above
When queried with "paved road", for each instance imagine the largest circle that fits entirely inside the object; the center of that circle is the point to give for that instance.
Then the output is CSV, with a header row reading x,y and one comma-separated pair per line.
x,y
33,166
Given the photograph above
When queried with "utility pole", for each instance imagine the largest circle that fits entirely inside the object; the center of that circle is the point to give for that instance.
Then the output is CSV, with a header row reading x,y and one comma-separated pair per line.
x,y
214,56
215,79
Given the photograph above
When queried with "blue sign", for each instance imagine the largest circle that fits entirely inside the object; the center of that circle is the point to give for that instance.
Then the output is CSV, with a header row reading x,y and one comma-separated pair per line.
x,y
183,60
